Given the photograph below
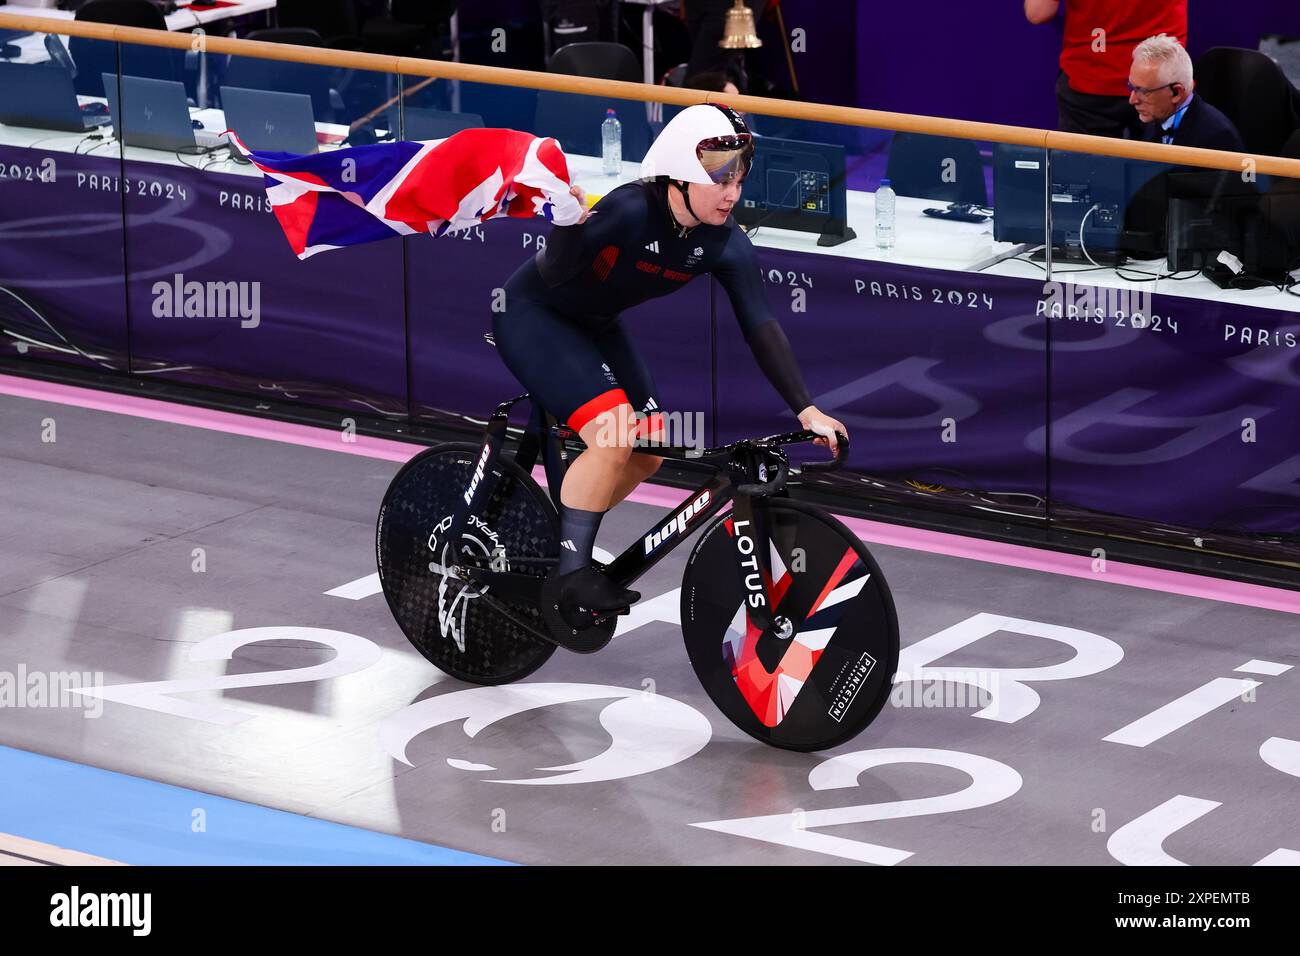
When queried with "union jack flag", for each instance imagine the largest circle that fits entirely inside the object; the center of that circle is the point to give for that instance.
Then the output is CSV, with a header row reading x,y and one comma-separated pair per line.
x,y
348,196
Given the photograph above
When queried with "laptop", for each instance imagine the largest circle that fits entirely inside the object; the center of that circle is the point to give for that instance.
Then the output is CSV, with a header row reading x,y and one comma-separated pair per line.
x,y
270,121
155,114
42,97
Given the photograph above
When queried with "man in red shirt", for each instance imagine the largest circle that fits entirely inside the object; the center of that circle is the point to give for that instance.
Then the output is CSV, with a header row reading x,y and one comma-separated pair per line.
x,y
1092,94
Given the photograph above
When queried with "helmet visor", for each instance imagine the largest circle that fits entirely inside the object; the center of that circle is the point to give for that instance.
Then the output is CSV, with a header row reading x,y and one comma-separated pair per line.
x,y
726,158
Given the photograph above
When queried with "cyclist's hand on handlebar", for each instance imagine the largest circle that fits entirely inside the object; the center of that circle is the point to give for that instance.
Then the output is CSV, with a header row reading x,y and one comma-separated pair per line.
x,y
813,419
579,194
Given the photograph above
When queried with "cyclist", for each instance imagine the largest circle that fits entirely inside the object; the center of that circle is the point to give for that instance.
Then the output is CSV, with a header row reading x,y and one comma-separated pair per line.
x,y
560,333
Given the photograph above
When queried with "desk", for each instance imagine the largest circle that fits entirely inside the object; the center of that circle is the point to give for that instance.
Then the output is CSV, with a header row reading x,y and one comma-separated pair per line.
x,y
187,18
929,243
184,18
920,240
32,45
1197,287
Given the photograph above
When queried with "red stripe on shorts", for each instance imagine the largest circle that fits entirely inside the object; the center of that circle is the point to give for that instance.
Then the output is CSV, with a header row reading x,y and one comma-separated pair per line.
x,y
597,406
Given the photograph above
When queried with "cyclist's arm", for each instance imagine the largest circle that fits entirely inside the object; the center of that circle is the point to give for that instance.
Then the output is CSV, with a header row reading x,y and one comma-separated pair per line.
x,y
737,271
618,216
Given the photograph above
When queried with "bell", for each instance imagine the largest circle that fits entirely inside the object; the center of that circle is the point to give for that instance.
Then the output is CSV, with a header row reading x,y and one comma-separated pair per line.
x,y
740,32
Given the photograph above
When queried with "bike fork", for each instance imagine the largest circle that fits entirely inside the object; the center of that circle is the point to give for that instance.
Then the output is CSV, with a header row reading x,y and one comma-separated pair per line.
x,y
753,557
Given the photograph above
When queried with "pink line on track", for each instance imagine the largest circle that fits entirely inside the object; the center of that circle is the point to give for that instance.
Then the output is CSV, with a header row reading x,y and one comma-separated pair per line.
x,y
1036,559
231,423
875,532
1076,566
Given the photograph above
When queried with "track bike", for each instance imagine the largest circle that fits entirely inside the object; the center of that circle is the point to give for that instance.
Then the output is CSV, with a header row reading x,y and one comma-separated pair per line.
x,y
788,622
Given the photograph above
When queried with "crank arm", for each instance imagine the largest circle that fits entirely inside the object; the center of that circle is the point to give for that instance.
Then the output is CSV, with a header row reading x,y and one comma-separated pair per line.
x,y
510,616
508,584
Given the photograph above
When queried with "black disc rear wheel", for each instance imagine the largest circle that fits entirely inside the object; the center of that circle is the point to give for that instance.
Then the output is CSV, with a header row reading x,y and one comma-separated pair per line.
x,y
443,616
826,673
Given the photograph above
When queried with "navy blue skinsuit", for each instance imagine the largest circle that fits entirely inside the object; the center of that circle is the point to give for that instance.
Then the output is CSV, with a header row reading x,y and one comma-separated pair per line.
x,y
560,332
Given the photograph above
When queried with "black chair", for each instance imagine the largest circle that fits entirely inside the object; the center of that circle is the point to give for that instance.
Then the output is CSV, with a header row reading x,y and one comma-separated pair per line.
x,y
1252,91
577,21
918,164
604,61
334,20
309,79
93,58
676,76
411,28
575,120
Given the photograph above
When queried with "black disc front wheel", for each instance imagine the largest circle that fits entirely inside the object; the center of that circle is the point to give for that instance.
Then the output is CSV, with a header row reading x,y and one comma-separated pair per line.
x,y
823,673
445,617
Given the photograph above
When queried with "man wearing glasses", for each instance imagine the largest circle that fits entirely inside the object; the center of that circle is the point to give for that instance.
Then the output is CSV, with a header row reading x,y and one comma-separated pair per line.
x,y
1097,43
1160,88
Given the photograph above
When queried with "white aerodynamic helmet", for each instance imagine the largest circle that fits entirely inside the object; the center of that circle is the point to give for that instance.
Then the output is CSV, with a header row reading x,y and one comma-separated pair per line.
x,y
679,151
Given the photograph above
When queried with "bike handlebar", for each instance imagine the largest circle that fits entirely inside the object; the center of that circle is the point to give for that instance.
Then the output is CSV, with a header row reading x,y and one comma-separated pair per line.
x,y
783,466
841,456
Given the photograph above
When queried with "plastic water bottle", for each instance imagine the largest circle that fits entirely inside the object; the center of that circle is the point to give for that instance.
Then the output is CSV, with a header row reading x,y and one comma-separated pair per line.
x,y
611,145
885,216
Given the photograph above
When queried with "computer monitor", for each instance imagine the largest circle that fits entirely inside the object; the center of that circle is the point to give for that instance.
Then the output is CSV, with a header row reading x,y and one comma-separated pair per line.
x,y
1257,230
270,122
797,185
154,113
1097,203
42,97
419,124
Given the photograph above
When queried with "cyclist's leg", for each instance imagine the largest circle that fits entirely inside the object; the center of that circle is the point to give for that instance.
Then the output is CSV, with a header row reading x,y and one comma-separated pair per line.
x,y
600,476
604,379
634,375
559,363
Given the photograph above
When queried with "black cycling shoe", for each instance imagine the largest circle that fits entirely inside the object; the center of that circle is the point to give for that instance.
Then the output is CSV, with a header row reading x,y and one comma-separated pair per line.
x,y
581,608
586,594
